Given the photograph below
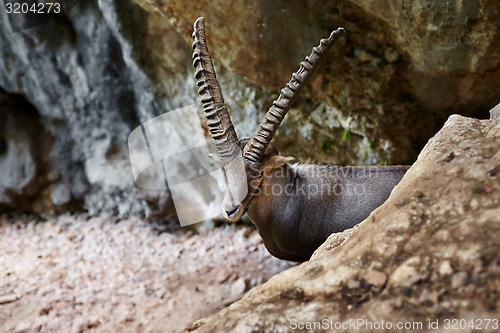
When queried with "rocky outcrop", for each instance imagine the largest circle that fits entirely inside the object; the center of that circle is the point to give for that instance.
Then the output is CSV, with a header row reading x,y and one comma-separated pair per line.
x,y
428,254
388,86
86,93
91,76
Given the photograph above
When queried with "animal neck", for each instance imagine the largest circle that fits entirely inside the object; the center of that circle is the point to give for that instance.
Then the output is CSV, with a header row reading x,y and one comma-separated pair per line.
x,y
302,204
268,206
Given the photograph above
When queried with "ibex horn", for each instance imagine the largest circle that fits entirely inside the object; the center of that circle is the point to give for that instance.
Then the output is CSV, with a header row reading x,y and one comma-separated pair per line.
x,y
255,148
218,120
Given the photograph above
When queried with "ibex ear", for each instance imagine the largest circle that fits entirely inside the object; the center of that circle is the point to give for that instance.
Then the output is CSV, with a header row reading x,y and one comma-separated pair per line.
x,y
277,161
282,160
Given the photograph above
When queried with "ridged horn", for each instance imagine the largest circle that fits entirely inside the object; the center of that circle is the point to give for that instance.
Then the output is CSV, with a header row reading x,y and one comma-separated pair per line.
x,y
255,148
218,120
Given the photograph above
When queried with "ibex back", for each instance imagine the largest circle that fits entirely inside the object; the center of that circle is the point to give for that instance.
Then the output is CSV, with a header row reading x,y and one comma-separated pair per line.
x,y
294,207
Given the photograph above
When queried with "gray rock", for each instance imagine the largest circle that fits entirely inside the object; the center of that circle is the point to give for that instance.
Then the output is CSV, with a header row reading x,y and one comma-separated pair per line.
x,y
60,195
495,112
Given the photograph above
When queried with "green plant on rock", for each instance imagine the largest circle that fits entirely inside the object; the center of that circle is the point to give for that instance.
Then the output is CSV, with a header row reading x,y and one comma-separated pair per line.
x,y
346,135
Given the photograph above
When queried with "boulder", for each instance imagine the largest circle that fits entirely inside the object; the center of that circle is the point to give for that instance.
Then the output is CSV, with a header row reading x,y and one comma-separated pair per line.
x,y
428,255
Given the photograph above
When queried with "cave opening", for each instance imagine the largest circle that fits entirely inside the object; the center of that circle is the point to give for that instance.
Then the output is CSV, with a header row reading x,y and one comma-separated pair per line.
x,y
22,141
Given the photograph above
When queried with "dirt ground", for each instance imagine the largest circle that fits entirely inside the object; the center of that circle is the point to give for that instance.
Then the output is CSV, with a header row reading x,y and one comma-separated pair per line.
x,y
79,274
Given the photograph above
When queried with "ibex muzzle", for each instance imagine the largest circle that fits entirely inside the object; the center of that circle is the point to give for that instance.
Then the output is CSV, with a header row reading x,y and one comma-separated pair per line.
x,y
294,207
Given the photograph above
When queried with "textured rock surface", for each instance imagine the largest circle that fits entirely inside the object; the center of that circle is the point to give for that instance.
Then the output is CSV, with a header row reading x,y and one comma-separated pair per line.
x,y
80,75
430,252
100,71
384,90
495,112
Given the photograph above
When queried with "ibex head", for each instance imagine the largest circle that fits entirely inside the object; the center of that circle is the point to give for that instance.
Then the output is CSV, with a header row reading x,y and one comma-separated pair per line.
x,y
256,154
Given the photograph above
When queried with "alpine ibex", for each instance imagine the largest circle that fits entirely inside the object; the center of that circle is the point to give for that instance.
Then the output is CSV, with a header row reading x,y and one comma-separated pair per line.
x,y
294,207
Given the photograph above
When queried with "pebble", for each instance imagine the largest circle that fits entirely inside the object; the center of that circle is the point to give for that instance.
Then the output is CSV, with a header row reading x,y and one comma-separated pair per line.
x,y
353,284
391,54
376,278
458,280
445,268
8,298
238,287
406,274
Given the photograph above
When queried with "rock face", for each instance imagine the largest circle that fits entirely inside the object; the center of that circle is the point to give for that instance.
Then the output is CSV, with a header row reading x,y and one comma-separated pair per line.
x,y
85,94
429,253
88,78
385,89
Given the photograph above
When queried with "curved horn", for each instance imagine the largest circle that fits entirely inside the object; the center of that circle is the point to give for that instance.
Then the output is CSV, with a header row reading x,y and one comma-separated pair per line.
x,y
218,120
254,150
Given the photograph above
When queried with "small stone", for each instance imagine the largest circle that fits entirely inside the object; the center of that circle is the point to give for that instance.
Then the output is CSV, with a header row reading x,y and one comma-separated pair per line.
x,y
363,55
8,298
445,268
445,304
255,281
353,284
399,202
391,54
223,275
376,278
397,303
406,274
238,287
458,280
60,194
474,204
252,248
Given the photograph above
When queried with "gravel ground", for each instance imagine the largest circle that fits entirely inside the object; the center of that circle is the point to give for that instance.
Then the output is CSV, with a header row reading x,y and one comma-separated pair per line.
x,y
78,274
